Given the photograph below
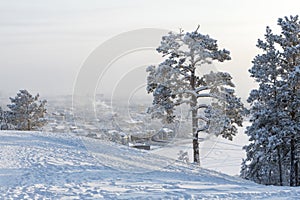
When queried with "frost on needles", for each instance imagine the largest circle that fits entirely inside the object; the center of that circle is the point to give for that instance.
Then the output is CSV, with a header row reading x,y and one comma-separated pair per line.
x,y
175,81
273,152
26,112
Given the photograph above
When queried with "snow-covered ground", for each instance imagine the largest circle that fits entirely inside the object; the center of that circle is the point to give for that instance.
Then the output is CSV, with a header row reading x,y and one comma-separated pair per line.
x,y
39,165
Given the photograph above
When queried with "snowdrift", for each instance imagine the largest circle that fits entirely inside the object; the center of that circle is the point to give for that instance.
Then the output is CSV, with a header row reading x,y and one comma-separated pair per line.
x,y
39,165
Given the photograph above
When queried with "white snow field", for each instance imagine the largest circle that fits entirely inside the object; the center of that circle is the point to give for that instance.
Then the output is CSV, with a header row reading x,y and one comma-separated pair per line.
x,y
39,165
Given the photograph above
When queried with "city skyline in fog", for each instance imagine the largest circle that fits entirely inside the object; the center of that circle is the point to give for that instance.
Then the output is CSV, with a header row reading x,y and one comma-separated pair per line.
x,y
44,44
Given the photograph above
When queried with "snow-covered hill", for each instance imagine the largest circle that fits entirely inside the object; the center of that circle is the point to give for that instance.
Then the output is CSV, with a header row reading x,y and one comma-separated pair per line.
x,y
35,165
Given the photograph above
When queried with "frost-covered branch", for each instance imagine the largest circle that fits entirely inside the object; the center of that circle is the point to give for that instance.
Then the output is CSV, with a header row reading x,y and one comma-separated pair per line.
x,y
203,88
200,106
183,102
203,118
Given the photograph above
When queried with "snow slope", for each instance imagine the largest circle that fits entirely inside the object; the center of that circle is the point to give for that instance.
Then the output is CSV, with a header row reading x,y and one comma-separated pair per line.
x,y
35,165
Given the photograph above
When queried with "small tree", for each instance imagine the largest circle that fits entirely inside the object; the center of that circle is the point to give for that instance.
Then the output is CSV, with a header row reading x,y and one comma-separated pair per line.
x,y
176,81
26,111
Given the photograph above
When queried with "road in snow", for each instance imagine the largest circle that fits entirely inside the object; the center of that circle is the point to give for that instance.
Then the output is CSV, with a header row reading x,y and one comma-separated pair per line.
x,y
35,165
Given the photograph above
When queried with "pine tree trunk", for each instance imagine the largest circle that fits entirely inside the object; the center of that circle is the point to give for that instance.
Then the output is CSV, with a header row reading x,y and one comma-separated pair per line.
x,y
195,138
279,166
28,125
294,168
292,157
296,174
271,181
293,174
195,121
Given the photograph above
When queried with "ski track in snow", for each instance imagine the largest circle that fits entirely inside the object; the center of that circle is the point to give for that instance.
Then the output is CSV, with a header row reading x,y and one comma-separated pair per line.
x,y
35,165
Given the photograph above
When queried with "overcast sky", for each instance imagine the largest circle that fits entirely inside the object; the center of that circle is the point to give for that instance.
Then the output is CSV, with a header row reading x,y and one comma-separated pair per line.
x,y
44,43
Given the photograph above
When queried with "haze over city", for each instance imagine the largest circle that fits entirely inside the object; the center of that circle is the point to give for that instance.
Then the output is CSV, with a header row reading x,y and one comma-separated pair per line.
x,y
44,44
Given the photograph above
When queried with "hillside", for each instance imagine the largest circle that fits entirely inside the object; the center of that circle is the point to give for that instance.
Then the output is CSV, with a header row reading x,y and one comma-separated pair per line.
x,y
35,165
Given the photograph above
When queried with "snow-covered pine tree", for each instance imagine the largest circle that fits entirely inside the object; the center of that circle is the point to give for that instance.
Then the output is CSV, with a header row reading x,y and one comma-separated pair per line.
x,y
272,155
1,114
265,115
27,112
289,40
176,81
4,119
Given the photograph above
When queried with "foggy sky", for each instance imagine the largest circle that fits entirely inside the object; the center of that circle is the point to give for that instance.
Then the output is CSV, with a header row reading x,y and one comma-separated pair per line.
x,y
44,43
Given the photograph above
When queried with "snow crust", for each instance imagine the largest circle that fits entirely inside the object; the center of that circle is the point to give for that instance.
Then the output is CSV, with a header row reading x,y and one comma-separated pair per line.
x,y
41,165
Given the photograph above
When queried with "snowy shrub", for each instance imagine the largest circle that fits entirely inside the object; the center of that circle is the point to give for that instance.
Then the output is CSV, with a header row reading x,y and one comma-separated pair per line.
x,y
183,156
